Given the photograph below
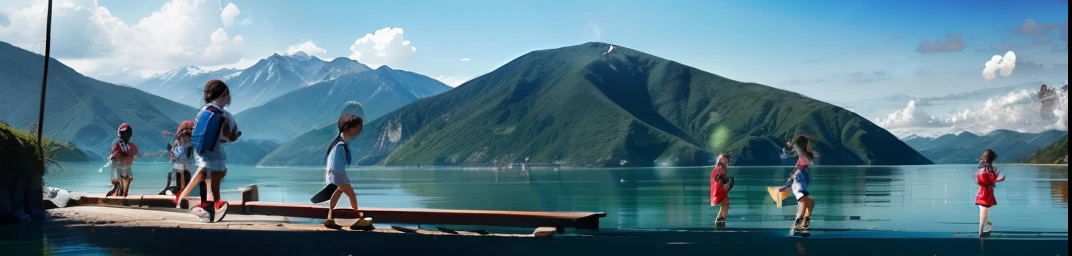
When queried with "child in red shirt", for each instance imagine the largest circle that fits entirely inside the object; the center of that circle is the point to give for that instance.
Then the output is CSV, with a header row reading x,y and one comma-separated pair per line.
x,y
122,158
721,183
987,178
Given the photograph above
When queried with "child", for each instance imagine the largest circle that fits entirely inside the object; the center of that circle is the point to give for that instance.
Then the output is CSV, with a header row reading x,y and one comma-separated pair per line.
x,y
122,158
338,157
987,177
721,183
800,147
212,164
181,155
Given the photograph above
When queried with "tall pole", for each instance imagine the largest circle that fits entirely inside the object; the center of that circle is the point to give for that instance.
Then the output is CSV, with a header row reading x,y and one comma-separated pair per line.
x,y
44,84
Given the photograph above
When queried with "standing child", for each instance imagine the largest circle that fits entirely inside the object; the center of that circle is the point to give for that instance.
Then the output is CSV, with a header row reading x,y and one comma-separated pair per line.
x,y
212,162
338,157
801,148
122,158
721,183
987,178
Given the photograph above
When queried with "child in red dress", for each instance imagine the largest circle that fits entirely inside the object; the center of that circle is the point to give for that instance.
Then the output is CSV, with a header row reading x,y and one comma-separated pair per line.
x,y
721,183
987,177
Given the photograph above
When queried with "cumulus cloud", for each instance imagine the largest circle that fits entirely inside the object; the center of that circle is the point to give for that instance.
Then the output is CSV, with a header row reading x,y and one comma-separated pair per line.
x,y
387,46
910,117
229,14
308,47
88,38
999,64
465,59
953,42
1016,111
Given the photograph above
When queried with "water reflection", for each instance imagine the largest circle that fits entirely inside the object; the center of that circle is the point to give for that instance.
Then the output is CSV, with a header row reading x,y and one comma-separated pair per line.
x,y
921,198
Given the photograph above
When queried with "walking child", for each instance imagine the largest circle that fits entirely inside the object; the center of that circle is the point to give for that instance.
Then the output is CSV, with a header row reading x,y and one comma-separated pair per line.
x,y
987,177
338,157
181,155
122,159
721,183
799,180
211,159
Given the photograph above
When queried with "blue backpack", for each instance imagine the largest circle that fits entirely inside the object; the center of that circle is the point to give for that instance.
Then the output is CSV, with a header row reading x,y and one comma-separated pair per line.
x,y
207,129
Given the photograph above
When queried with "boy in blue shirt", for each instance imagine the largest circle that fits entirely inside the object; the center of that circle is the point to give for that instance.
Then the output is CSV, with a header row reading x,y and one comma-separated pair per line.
x,y
338,158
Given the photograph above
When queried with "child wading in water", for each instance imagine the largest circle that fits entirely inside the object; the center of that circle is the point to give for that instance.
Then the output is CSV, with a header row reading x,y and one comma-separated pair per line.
x,y
122,158
987,178
721,183
212,164
338,157
801,148
182,157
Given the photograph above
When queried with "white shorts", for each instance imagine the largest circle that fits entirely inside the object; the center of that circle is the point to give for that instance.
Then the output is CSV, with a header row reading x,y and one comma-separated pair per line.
x,y
337,178
122,170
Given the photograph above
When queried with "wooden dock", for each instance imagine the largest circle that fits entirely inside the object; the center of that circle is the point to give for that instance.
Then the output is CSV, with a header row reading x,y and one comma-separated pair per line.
x,y
250,205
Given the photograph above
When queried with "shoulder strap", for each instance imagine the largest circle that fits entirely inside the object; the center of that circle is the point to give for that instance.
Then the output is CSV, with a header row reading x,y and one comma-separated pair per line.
x,y
336,142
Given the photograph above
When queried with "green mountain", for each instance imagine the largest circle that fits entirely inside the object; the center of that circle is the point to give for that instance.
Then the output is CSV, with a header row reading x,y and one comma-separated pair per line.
x,y
966,148
79,109
381,91
1056,153
583,105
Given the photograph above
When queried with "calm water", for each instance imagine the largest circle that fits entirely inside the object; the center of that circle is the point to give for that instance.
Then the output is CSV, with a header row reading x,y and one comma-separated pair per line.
x,y
917,198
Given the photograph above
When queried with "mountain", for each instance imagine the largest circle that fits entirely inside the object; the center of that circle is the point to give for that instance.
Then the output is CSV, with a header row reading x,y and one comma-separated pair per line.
x,y
79,109
595,105
268,78
966,148
248,151
1056,153
380,92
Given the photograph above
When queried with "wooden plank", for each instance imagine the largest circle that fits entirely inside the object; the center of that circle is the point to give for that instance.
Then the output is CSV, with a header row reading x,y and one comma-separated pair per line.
x,y
578,220
524,219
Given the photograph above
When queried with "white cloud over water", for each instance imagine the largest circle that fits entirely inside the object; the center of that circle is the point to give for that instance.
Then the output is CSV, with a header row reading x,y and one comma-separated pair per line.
x,y
999,64
1016,111
88,38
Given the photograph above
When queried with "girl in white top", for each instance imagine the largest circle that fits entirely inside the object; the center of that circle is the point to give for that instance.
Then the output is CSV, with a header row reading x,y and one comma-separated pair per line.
x,y
799,180
212,163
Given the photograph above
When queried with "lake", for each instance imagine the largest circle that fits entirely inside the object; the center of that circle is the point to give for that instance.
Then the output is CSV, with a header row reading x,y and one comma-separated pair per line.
x,y
935,198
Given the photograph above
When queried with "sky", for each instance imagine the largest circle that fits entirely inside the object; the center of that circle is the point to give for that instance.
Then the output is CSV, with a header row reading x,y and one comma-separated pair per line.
x,y
829,50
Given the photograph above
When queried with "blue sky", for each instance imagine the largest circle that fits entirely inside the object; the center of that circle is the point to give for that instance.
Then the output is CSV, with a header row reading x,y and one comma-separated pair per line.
x,y
830,50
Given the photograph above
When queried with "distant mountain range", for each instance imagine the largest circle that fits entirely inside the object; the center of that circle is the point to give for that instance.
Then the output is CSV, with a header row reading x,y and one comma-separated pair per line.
x,y
584,105
966,148
79,109
1056,153
267,79
380,91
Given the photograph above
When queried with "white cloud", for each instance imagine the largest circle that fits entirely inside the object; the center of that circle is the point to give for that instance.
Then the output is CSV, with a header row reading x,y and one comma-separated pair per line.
x,y
1016,111
386,46
998,63
910,117
229,14
88,38
308,47
465,59
452,81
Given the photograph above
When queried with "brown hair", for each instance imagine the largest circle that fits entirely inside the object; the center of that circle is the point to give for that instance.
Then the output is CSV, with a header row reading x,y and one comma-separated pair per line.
x,y
215,89
991,156
804,144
